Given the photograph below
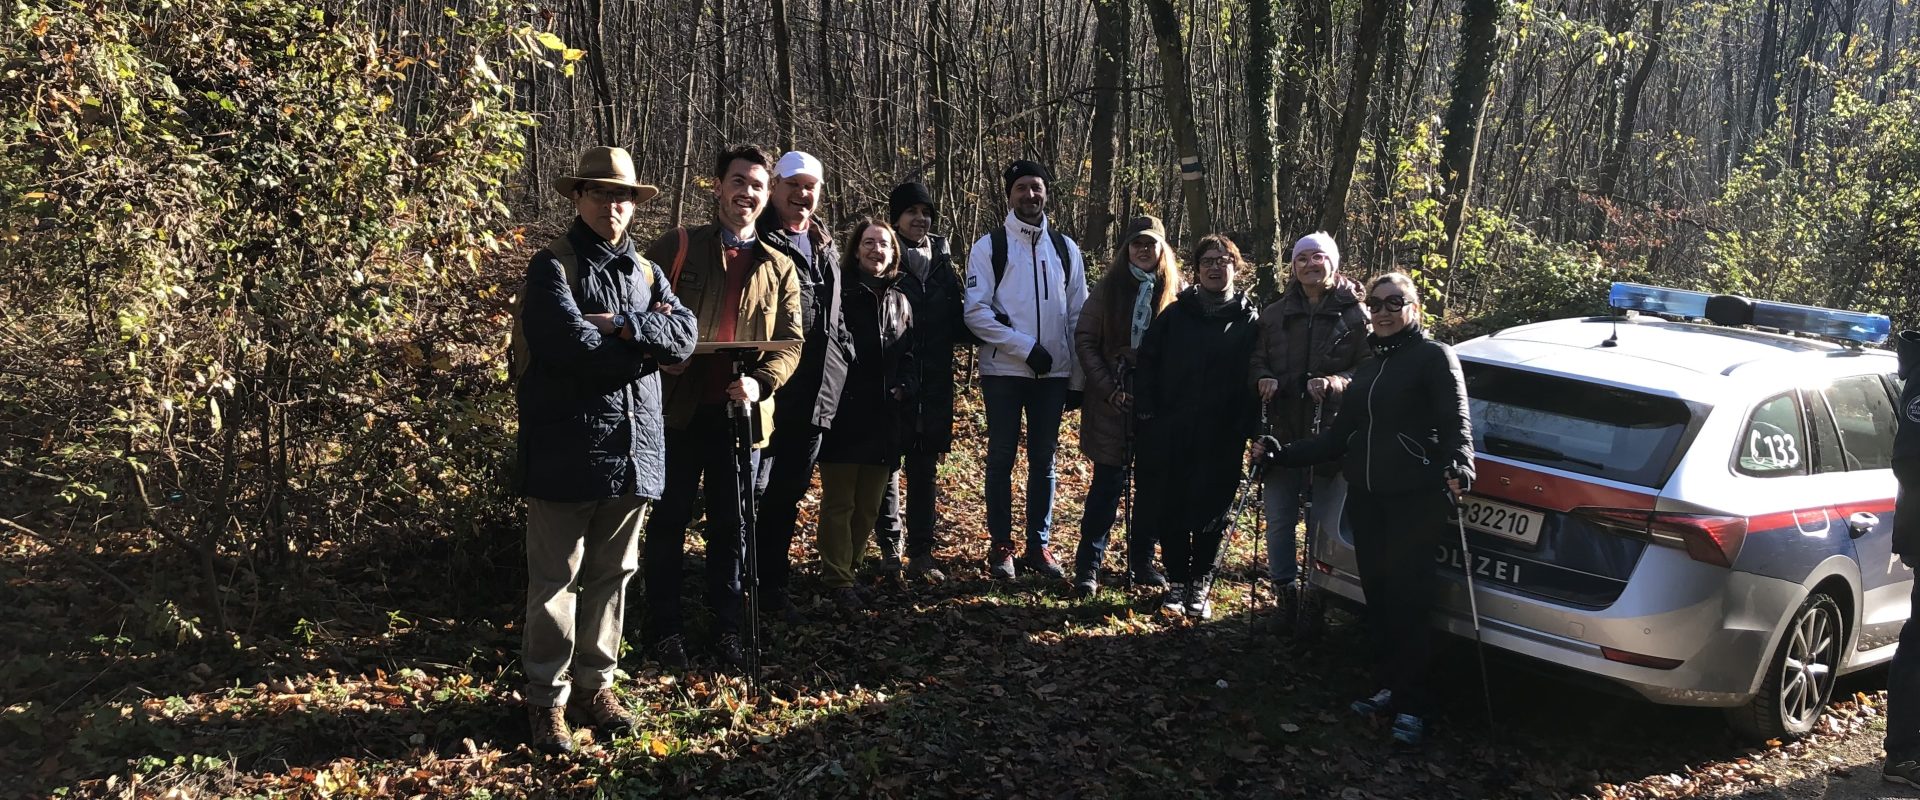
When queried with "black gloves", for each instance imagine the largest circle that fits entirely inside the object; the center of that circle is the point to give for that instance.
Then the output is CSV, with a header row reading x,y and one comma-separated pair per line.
x,y
1270,452
1074,398
1461,474
1040,361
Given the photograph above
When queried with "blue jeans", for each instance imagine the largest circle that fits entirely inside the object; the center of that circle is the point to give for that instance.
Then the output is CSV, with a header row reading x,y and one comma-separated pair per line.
x,y
1096,523
1903,692
1041,401
1282,492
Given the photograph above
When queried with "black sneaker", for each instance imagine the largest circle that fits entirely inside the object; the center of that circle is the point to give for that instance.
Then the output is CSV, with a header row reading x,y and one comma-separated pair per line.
x,y
1041,560
671,652
1175,598
923,568
1905,772
728,651
1085,584
1198,605
782,606
848,599
1000,562
1147,577
1380,703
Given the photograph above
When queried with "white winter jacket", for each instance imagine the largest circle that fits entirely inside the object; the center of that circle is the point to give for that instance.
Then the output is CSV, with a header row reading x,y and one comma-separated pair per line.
x,y
1031,295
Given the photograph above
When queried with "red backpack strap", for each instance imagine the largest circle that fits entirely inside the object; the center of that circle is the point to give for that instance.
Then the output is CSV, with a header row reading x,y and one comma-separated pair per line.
x,y
679,259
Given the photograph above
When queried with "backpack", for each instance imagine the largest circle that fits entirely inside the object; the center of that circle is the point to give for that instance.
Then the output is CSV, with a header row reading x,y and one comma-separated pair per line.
x,y
998,247
519,355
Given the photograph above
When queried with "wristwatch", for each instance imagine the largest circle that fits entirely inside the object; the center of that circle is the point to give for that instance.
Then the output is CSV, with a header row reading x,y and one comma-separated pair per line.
x,y
620,322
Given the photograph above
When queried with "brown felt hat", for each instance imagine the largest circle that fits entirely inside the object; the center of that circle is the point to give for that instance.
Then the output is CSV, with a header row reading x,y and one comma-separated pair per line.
x,y
608,165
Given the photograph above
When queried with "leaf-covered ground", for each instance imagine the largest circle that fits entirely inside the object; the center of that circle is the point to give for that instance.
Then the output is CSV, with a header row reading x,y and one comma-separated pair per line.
x,y
391,673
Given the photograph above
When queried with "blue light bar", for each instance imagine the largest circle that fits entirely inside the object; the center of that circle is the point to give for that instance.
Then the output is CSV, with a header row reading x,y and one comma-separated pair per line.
x,y
1658,300
1852,326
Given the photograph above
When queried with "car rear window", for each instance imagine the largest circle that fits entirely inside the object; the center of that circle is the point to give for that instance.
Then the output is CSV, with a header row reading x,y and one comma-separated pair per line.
x,y
1578,426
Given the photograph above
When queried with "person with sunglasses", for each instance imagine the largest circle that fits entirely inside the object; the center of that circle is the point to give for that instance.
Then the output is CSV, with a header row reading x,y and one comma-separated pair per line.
x,y
1311,340
1405,444
1196,412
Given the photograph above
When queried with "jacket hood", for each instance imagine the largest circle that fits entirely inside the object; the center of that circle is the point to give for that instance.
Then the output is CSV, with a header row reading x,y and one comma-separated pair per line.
x,y
1240,305
1345,292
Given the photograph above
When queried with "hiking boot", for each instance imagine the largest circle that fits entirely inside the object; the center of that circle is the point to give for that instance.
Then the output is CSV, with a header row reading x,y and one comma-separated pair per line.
x,y
1147,577
1409,730
922,567
1198,605
1285,609
1310,616
1905,772
781,604
848,599
1041,560
1085,584
1000,562
1175,598
671,652
1379,703
550,734
604,711
727,649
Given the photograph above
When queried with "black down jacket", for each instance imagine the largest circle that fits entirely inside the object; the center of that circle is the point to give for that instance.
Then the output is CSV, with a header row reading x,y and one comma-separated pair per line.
x,y
589,405
1403,421
938,326
809,395
1196,411
880,321
1906,453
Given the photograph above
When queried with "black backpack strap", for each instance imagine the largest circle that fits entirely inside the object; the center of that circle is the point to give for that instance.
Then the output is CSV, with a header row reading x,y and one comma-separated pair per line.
x,y
1066,259
997,245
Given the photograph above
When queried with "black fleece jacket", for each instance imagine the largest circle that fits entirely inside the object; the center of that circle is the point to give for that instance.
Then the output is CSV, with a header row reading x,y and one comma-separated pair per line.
x,y
1403,421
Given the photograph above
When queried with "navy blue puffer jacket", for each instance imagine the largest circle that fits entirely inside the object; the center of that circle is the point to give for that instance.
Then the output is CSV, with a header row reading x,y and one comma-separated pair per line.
x,y
589,405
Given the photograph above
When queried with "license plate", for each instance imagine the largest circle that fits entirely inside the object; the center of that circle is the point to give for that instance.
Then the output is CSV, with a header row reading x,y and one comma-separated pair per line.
x,y
1488,566
1500,519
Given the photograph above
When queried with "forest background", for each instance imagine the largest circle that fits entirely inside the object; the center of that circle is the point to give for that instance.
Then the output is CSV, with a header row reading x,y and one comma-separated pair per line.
x,y
257,253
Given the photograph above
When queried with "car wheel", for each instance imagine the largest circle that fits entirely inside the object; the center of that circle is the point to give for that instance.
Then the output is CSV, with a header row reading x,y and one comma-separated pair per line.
x,y
1799,679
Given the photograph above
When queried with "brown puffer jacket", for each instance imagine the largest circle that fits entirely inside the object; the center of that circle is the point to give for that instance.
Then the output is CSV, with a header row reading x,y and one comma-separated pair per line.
x,y
1102,343
1297,343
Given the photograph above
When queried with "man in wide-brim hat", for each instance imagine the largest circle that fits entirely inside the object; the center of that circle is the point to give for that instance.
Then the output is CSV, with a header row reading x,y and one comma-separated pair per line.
x,y
596,321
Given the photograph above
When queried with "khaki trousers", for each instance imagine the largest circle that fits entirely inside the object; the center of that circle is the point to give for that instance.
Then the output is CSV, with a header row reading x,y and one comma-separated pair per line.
x,y
579,559
849,503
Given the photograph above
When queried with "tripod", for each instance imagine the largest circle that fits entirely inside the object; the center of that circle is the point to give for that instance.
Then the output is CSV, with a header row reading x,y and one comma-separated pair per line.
x,y
741,415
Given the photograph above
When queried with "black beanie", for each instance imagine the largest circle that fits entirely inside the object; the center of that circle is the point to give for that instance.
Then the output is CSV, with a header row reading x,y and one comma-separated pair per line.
x,y
908,195
1021,169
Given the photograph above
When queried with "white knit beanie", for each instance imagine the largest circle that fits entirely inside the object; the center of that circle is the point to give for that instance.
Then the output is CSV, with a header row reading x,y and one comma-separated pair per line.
x,y
1322,241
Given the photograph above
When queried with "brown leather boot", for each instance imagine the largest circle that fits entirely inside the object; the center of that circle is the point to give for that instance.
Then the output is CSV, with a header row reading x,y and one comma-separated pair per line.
x,y
550,734
604,711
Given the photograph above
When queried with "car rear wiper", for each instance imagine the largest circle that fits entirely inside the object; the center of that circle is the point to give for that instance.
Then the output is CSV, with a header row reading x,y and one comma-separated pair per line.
x,y
1530,450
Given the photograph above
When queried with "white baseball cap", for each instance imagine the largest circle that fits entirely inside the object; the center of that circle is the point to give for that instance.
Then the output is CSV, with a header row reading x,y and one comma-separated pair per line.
x,y
794,162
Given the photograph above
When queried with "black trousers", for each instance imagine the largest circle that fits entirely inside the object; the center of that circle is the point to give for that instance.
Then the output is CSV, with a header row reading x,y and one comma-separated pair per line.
x,y
700,454
1395,537
786,470
920,470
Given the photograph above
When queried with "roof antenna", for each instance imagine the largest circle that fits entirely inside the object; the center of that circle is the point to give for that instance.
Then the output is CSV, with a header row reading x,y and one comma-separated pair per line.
x,y
1614,340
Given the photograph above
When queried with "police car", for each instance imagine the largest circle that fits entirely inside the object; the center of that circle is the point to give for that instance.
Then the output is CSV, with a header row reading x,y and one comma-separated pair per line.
x,y
1691,497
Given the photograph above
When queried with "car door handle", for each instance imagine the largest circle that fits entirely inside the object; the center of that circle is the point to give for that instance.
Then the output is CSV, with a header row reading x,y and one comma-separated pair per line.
x,y
1860,522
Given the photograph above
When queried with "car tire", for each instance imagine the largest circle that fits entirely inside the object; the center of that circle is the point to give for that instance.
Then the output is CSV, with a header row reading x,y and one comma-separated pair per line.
x,y
1799,679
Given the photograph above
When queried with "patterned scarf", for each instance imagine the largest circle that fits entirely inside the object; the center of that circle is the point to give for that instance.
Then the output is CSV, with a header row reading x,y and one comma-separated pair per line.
x,y
1143,303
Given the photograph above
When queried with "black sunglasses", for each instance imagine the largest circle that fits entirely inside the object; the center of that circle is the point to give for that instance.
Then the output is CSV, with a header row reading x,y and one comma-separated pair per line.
x,y
1394,303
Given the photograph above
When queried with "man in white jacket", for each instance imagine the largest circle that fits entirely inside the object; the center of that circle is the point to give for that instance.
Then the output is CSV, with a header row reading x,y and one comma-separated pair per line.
x,y
1025,285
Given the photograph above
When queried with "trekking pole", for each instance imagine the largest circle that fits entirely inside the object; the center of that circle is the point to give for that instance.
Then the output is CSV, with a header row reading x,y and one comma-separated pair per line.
x,y
1473,603
741,414
1259,533
1126,470
1302,572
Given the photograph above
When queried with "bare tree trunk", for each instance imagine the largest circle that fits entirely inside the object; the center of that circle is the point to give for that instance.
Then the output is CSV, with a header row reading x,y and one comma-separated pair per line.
x,y
1346,149
1629,109
721,90
1173,74
1298,65
785,116
686,124
1263,61
1472,84
605,124
1109,68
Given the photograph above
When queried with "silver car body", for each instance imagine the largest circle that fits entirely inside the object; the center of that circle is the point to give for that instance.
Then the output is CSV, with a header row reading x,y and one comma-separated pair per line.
x,y
1673,628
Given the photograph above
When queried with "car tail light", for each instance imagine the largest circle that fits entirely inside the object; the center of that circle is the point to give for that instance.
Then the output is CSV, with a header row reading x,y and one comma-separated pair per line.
x,y
1639,659
1708,538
